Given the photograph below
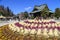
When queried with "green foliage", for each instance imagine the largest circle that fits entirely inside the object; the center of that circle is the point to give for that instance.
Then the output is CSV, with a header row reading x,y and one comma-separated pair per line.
x,y
45,14
32,17
5,11
0,13
26,15
57,12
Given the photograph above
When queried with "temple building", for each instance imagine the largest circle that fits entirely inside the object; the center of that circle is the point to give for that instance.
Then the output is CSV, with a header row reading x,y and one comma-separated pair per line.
x,y
41,11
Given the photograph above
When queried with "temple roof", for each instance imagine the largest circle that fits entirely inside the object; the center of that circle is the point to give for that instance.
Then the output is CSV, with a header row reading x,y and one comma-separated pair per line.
x,y
36,11
39,8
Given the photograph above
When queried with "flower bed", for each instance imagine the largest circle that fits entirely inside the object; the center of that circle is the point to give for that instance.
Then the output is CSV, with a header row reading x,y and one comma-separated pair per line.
x,y
31,29
39,25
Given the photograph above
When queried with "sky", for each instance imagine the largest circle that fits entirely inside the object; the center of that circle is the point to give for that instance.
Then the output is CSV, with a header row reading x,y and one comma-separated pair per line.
x,y
18,6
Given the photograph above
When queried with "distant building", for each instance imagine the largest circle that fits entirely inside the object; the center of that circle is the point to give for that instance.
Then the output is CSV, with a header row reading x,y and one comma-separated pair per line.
x,y
38,10
23,15
20,15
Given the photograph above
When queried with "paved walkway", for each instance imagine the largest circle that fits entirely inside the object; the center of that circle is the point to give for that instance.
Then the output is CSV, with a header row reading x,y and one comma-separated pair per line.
x,y
7,22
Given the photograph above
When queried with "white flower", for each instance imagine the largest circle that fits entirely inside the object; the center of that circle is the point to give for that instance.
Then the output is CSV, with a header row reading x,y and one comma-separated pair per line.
x,y
56,25
33,31
39,32
18,29
44,25
49,25
21,31
56,32
32,25
25,31
35,25
51,32
45,32
39,25
53,25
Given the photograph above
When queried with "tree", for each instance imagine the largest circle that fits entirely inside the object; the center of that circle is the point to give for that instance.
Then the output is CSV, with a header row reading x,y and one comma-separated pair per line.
x,y
1,13
57,13
5,11
9,12
26,14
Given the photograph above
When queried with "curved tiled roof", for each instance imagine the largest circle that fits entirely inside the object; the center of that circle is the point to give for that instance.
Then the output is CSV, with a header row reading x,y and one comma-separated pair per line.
x,y
39,8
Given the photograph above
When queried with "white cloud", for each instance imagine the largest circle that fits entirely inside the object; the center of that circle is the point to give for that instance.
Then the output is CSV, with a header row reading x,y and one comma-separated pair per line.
x,y
28,8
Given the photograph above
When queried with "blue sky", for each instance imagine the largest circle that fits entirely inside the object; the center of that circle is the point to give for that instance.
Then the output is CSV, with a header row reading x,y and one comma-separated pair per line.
x,y
18,6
